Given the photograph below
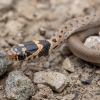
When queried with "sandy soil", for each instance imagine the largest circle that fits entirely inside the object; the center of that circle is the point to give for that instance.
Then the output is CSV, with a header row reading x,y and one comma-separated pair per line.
x,y
29,20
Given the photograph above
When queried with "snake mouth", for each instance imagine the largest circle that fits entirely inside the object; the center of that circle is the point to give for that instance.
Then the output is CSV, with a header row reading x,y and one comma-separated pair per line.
x,y
12,55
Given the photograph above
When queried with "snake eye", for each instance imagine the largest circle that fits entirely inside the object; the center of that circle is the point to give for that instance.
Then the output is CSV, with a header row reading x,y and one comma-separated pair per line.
x,y
21,57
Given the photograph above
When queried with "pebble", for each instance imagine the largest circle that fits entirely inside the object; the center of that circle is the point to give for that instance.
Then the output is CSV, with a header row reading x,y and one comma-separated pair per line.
x,y
42,30
96,97
44,93
68,97
88,96
5,4
86,79
13,27
49,34
4,63
46,64
74,76
3,43
98,83
64,49
18,86
97,72
57,81
67,65
93,42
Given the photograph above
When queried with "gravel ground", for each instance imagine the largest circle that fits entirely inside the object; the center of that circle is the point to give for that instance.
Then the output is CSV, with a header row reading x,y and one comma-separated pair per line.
x,y
25,20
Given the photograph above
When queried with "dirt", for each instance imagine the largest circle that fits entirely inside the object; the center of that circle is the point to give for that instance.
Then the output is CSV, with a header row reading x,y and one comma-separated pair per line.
x,y
28,20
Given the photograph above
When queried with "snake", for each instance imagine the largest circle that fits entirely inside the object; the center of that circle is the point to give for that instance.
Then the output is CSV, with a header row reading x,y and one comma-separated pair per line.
x,y
85,25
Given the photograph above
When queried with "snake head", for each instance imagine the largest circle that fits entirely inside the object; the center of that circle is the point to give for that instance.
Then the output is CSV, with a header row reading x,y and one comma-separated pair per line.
x,y
24,51
29,50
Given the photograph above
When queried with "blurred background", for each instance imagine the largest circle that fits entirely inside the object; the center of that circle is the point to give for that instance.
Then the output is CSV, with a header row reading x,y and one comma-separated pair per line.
x,y
24,20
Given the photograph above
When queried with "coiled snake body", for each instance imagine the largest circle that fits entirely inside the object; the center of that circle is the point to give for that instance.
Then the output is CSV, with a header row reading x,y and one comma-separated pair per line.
x,y
34,49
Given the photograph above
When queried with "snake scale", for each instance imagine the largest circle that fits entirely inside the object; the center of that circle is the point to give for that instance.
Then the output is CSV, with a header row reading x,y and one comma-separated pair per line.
x,y
37,48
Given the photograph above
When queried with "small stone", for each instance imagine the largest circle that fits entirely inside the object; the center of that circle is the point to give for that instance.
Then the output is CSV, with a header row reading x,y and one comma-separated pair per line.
x,y
18,86
22,20
68,97
46,64
99,33
56,80
98,83
64,49
75,76
13,27
3,43
4,63
5,4
98,72
98,92
44,92
86,79
1,87
42,31
93,42
97,78
49,34
68,65
88,96
96,97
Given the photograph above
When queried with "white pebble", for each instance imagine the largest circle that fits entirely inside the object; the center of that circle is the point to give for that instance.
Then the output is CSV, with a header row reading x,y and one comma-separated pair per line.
x,y
67,65
56,80
93,42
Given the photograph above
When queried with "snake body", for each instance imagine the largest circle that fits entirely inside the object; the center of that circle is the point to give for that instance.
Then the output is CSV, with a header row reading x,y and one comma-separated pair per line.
x,y
34,49
80,50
